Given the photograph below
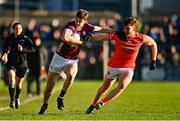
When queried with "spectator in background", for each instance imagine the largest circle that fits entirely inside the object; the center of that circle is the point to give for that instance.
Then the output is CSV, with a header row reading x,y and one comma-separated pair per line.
x,y
165,24
91,65
31,28
140,24
157,34
56,29
82,64
146,29
111,23
4,34
102,22
172,32
37,64
45,32
5,30
175,57
146,54
55,24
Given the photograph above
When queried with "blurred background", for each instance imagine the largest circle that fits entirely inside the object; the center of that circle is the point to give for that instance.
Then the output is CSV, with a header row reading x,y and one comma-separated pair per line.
x,y
45,19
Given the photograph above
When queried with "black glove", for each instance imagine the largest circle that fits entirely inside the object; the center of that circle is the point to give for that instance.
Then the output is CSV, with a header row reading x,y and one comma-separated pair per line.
x,y
85,38
152,66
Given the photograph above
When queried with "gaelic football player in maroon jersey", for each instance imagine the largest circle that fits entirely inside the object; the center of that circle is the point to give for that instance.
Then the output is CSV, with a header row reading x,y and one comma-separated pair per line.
x,y
65,58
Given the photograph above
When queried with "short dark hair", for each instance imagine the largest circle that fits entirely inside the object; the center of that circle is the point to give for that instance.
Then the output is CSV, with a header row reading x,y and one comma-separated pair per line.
x,y
130,21
15,24
82,14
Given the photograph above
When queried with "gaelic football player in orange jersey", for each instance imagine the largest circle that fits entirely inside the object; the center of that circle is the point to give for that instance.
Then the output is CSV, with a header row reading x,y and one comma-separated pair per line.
x,y
122,64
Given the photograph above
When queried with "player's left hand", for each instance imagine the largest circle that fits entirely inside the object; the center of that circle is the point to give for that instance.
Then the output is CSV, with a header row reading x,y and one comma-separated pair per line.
x,y
85,38
152,65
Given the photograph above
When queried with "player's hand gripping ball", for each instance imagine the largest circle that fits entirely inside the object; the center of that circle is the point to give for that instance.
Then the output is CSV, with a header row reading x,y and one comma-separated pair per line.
x,y
85,38
76,36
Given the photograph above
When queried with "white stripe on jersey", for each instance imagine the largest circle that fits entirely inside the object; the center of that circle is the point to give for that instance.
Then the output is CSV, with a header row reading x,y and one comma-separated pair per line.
x,y
59,46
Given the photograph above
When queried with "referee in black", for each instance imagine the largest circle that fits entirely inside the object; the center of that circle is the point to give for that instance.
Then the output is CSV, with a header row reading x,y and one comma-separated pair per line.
x,y
14,55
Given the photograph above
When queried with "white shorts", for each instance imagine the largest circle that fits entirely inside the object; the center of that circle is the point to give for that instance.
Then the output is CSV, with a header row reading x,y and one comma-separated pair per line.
x,y
113,73
58,62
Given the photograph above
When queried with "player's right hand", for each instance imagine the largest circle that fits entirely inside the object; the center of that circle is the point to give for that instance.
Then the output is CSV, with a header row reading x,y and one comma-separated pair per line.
x,y
152,65
4,58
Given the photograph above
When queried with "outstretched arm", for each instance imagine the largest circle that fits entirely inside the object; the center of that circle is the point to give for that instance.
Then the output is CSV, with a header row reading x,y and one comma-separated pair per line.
x,y
99,37
104,30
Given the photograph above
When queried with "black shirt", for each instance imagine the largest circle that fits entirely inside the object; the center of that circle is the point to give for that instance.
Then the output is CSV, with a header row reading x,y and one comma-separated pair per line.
x,y
15,57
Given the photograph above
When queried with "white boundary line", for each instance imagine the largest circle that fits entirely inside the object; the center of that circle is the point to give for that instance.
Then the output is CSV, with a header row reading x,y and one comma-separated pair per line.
x,y
28,100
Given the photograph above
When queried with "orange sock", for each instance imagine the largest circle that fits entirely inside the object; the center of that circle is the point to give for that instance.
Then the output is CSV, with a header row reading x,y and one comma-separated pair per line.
x,y
105,100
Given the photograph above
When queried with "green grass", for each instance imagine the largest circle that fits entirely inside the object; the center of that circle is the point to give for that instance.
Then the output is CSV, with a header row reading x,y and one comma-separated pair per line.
x,y
140,101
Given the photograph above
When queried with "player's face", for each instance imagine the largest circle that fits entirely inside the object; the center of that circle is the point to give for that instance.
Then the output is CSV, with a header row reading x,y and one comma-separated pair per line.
x,y
79,22
17,29
129,30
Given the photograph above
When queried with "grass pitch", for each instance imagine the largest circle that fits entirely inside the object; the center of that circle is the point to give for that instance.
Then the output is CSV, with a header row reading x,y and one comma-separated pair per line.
x,y
140,101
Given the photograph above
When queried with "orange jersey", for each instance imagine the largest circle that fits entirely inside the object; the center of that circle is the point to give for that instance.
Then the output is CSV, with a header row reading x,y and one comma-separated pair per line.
x,y
125,52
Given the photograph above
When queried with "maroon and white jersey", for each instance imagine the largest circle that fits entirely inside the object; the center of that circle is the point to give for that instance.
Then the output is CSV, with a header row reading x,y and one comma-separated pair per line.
x,y
67,51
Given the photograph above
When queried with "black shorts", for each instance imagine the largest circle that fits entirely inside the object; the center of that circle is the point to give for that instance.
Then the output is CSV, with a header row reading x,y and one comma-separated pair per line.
x,y
20,71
